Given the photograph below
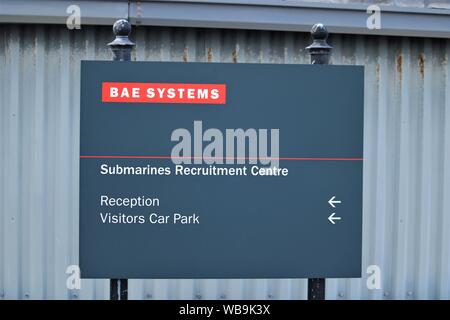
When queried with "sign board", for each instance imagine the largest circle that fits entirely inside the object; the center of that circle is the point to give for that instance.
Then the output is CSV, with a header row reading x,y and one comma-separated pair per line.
x,y
205,170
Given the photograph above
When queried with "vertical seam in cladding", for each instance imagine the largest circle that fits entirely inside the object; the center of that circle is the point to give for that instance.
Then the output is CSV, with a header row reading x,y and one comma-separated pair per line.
x,y
3,133
423,263
444,290
380,192
403,175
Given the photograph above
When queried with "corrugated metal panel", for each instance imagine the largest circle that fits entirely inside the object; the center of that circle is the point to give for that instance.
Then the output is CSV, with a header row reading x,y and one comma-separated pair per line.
x,y
406,171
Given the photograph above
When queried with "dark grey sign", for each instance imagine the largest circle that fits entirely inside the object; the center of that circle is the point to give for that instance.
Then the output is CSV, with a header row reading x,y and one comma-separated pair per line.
x,y
204,170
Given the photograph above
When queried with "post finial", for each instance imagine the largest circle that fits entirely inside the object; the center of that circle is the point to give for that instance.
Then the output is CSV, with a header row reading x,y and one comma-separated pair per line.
x,y
319,50
122,28
319,32
121,46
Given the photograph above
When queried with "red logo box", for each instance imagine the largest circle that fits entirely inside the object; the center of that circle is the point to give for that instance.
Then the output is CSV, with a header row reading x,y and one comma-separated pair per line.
x,y
164,92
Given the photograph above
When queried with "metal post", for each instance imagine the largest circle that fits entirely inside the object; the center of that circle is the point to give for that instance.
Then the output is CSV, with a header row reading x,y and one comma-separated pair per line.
x,y
320,54
121,48
316,289
118,289
319,50
113,289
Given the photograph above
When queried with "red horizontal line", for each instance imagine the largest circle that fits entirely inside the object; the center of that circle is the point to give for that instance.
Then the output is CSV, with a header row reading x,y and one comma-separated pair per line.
x,y
224,158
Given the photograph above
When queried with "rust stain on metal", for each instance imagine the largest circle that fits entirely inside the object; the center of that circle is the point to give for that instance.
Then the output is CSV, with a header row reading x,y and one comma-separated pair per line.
x,y
378,72
235,55
399,63
139,12
422,65
185,54
210,54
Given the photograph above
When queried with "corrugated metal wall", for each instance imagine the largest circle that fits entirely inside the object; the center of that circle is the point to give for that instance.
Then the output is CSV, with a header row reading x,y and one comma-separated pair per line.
x,y
406,171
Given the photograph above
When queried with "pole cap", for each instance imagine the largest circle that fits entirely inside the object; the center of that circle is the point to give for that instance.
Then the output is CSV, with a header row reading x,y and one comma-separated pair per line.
x,y
319,34
121,29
